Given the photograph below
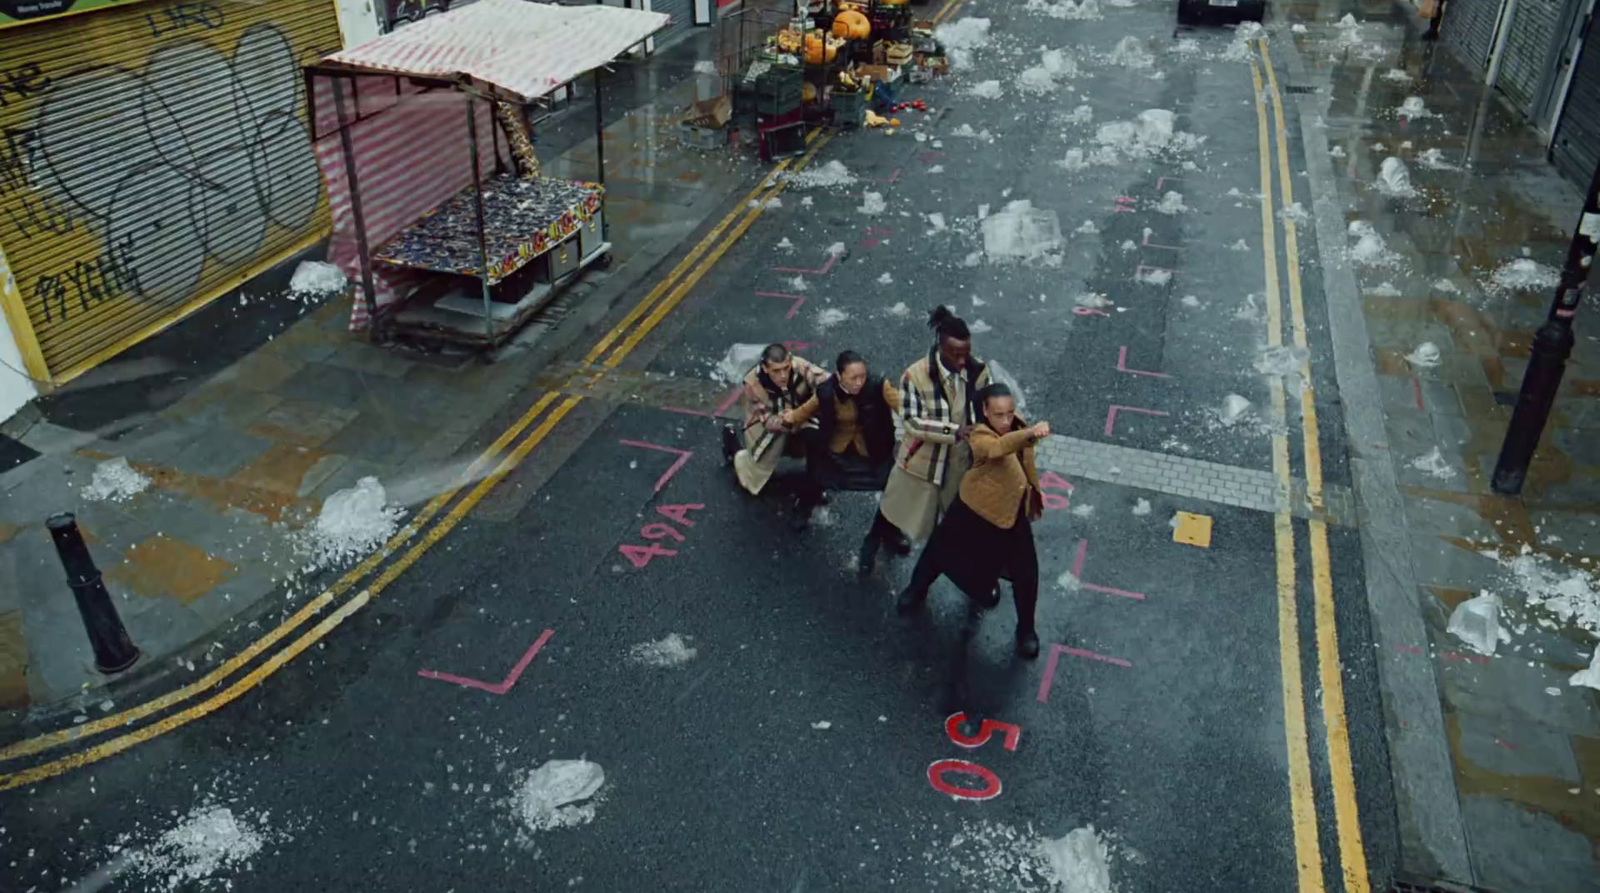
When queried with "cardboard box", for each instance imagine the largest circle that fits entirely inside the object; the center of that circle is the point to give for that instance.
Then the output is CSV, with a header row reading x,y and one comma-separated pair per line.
x,y
710,113
882,74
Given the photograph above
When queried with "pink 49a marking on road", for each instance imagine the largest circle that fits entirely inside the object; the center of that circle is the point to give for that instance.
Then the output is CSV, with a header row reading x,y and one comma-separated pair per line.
x,y
1056,650
1122,365
494,688
1111,415
1077,571
683,458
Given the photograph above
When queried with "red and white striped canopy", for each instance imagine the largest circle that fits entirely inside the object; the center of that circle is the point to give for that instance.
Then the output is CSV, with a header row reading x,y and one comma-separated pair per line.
x,y
527,48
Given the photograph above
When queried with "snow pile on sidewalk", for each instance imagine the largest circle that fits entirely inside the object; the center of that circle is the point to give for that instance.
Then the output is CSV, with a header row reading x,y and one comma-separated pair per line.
x,y
1476,622
986,90
1425,356
1021,232
1130,53
1414,107
116,480
1433,160
1370,249
206,842
672,651
555,794
1240,50
352,523
1042,78
315,279
1573,596
1086,10
986,855
1525,274
832,174
1151,133
1394,179
873,203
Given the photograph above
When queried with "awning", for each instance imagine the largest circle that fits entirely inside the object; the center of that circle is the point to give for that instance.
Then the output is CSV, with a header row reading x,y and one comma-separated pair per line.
x,y
527,48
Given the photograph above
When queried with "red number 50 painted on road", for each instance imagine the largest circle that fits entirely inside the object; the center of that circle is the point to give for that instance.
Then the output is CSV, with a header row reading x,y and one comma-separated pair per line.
x,y
991,782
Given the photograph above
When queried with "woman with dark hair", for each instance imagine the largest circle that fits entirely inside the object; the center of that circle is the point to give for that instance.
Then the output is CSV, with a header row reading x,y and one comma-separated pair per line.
x,y
854,447
938,410
988,530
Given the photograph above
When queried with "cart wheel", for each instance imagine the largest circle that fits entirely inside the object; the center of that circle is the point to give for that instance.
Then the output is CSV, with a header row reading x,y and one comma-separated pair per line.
x,y
603,262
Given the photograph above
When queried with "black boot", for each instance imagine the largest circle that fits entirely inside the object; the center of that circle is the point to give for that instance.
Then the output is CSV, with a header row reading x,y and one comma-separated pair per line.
x,y
1028,643
730,444
868,555
911,598
898,543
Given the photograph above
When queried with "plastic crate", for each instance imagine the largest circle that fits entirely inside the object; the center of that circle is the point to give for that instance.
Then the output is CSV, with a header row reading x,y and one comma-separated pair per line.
x,y
695,136
849,109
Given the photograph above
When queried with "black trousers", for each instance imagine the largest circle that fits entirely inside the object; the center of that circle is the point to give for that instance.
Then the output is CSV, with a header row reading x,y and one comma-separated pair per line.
x,y
975,554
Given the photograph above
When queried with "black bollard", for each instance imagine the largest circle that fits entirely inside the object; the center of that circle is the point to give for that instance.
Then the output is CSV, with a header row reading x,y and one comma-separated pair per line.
x,y
113,650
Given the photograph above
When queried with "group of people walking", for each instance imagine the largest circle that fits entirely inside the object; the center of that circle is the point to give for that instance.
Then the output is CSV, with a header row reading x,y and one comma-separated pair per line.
x,y
962,478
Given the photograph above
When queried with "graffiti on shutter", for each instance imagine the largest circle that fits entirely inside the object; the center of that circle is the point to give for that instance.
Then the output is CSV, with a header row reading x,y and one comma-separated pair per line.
x,y
149,157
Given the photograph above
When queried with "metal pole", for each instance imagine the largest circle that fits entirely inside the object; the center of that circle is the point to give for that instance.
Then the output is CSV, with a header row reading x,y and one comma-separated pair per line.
x,y
113,650
1552,344
600,151
477,202
1502,38
355,205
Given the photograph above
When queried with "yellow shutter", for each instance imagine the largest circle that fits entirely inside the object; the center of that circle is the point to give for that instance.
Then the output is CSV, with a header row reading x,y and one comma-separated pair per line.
x,y
153,157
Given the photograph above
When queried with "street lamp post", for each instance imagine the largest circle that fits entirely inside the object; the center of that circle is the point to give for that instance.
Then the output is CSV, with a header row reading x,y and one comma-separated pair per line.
x,y
1552,344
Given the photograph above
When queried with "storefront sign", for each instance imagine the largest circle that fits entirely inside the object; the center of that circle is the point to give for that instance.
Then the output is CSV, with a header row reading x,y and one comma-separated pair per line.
x,y
21,12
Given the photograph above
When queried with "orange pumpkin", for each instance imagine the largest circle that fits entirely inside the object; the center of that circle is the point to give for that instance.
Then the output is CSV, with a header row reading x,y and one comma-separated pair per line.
x,y
851,25
820,50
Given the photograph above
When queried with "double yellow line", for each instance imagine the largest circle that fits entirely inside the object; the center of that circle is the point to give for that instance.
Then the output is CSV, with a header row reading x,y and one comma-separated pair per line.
x,y
1308,851
620,341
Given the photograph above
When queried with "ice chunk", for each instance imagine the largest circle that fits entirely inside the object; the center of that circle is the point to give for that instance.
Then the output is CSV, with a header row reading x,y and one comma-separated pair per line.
x,y
872,203
738,362
1394,179
1233,409
936,220
986,90
1093,300
964,34
1172,203
885,279
1069,581
900,309
1141,507
116,480
1525,274
705,66
1130,53
1370,248
316,279
831,317
352,523
1397,75
1425,356
1446,286
671,651
1282,360
834,173
1021,232
1088,228
1589,677
1240,245
1066,9
1080,861
1433,160
822,725
1434,464
1153,276
1476,622
550,795
1414,107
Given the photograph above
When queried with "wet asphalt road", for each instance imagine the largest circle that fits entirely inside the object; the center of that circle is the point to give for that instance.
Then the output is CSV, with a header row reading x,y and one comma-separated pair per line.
x,y
362,774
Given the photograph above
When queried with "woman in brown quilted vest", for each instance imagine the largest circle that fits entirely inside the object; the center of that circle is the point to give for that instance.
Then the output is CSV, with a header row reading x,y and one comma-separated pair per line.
x,y
988,530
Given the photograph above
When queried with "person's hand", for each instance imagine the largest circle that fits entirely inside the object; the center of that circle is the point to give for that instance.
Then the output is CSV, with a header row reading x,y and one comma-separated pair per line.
x,y
1040,430
775,424
963,431
788,418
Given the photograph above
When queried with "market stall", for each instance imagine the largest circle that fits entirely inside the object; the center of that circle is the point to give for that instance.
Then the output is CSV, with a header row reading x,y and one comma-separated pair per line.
x,y
441,210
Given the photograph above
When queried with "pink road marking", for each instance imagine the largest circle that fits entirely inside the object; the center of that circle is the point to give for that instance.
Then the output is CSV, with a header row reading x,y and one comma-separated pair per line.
x,y
801,345
1056,650
870,240
1111,416
683,457
1162,181
1122,365
1077,571
889,179
793,308
494,688
1416,391
727,402
1149,244
732,398
820,271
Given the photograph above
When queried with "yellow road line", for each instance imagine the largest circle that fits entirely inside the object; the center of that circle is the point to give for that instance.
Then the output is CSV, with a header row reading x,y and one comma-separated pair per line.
x,y
393,572
948,9
1302,803
1352,852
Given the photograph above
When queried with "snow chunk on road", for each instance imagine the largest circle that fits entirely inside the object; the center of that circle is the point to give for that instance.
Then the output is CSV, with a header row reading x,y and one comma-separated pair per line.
x,y
1085,11
986,90
1425,356
1130,53
1394,179
314,279
1149,134
873,203
1434,464
1476,622
1142,507
1021,232
737,363
1525,274
831,317
1573,596
1414,107
1172,203
1152,276
1080,861
553,795
1233,409
1397,75
834,173
964,34
352,523
208,841
116,480
1433,160
1370,248
1589,677
671,651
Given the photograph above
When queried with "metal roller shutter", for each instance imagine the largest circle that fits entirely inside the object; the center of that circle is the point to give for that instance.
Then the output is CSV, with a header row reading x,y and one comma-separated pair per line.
x,y
682,24
1576,148
160,159
1529,45
1468,29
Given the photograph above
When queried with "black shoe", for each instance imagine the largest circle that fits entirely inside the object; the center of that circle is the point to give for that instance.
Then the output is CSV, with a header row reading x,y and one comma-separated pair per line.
x,y
730,444
1028,644
898,543
910,600
868,556
990,601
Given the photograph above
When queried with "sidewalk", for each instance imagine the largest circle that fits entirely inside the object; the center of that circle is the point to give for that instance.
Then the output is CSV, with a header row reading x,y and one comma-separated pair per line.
x,y
1496,760
248,415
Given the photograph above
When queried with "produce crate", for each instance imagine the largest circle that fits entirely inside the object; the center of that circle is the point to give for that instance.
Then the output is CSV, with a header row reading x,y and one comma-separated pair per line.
x,y
849,109
695,136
